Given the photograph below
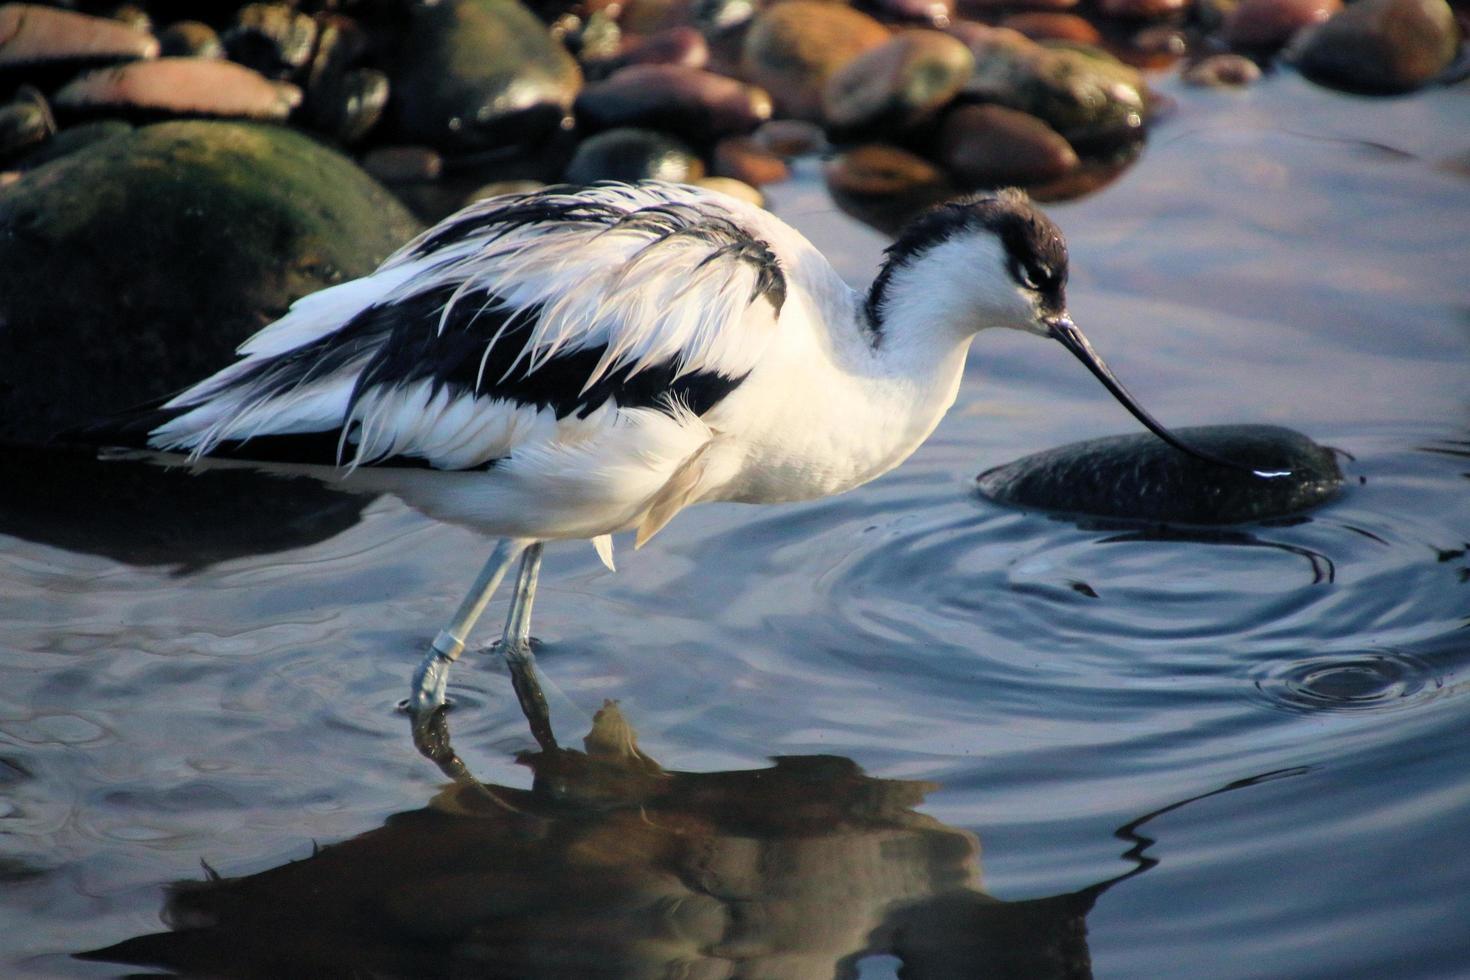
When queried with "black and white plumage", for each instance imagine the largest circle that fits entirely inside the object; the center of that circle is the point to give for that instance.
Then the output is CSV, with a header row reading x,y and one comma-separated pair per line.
x,y
572,363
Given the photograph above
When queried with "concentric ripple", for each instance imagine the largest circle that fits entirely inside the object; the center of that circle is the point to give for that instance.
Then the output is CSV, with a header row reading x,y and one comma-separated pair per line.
x,y
1381,680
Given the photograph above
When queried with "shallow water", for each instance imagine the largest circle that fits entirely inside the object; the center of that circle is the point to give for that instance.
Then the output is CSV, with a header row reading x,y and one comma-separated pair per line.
x,y
1228,753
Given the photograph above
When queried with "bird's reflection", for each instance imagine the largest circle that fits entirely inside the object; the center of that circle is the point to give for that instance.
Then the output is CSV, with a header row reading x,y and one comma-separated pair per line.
x,y
139,513
611,866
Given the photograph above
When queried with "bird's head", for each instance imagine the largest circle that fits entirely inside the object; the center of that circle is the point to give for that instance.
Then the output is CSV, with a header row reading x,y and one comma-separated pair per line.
x,y
992,260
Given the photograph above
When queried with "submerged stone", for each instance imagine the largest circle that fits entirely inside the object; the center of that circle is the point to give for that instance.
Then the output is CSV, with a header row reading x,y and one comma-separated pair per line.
x,y
1140,477
193,235
1382,45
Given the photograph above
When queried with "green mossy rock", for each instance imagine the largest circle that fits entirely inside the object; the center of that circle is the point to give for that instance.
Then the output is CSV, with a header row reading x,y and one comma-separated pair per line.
x,y
137,264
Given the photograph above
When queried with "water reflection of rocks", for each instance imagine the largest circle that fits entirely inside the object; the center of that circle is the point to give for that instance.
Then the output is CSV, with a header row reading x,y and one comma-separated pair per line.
x,y
611,866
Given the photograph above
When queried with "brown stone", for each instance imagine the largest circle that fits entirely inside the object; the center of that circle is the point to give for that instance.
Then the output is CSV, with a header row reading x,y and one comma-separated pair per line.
x,y
690,101
1271,23
1044,25
1141,9
794,47
884,185
1222,71
791,137
897,84
988,146
1382,45
747,160
185,86
32,35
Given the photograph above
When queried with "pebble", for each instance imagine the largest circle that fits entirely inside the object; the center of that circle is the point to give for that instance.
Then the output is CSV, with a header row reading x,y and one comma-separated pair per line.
x,y
992,146
256,215
25,123
1142,9
1271,23
936,13
681,45
271,38
691,102
631,155
1140,477
481,74
1161,41
403,164
885,186
74,138
190,39
1045,25
747,160
734,188
1222,71
1381,45
897,84
791,137
348,106
182,86
34,35
793,47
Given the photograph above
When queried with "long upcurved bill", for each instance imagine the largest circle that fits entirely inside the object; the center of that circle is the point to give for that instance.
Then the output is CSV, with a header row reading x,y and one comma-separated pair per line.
x,y
1064,331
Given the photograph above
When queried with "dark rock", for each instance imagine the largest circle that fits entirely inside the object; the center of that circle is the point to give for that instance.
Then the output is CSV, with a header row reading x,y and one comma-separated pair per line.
x,y
885,186
1083,93
181,86
1140,477
991,146
794,47
1222,71
631,155
1042,25
193,235
1142,9
1161,42
744,159
32,35
480,75
936,13
1271,23
271,38
25,123
348,106
1382,45
791,137
401,164
898,84
676,46
73,138
190,39
692,102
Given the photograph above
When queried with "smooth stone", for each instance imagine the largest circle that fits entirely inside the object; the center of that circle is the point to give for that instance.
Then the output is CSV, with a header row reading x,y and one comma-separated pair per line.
x,y
885,186
746,160
192,237
1083,93
691,102
190,39
181,86
986,9
34,35
791,137
991,146
632,155
1142,9
25,123
481,74
403,164
348,106
1222,71
499,188
936,13
1140,477
898,84
737,189
1381,45
132,15
1043,25
1271,23
271,38
1163,41
681,45
74,138
794,47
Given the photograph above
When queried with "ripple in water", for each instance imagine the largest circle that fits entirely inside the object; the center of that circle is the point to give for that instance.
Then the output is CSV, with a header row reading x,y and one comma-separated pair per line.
x,y
1372,681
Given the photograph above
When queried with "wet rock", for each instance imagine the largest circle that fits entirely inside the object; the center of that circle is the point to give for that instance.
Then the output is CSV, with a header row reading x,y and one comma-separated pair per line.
x,y
734,188
794,47
348,106
791,137
1140,477
403,164
680,45
74,138
1142,9
271,38
190,39
181,86
1271,23
195,234
897,84
1222,71
937,13
482,74
25,123
744,159
1381,45
1041,25
991,146
885,186
1084,94
633,154
689,101
1160,41
32,35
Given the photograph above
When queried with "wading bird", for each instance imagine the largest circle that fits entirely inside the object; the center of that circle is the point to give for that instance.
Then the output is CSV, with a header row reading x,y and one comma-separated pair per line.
x,y
578,362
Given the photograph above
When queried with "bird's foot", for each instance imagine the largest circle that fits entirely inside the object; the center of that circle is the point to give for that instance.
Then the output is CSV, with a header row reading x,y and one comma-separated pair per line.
x,y
430,681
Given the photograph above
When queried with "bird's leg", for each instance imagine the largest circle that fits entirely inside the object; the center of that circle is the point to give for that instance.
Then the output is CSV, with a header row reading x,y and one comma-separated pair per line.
x,y
515,643
433,673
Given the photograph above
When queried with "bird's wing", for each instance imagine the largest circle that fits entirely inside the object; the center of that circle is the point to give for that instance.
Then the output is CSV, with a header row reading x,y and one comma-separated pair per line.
x,y
514,317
